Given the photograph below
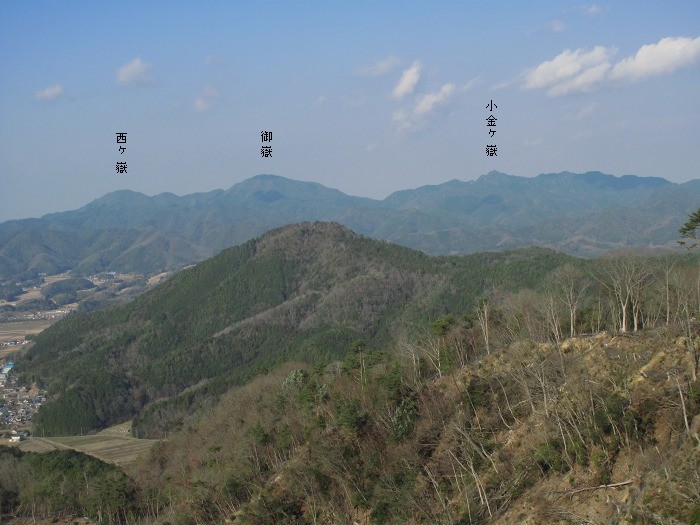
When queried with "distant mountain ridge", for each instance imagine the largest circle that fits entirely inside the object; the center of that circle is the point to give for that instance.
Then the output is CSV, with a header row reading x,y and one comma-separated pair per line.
x,y
582,214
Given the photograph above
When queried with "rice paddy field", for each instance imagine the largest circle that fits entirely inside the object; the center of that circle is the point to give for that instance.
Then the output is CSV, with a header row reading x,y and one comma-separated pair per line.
x,y
112,445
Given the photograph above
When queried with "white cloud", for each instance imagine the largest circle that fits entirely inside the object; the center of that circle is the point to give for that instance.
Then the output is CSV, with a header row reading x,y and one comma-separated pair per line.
x,y
50,93
380,68
429,102
206,100
135,73
504,84
473,82
424,108
402,119
557,26
201,104
566,68
586,81
667,56
592,10
408,81
584,111
583,71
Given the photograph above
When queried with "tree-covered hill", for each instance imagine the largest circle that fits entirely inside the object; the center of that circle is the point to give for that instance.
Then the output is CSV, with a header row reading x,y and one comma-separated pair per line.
x,y
581,214
317,376
493,416
303,291
604,430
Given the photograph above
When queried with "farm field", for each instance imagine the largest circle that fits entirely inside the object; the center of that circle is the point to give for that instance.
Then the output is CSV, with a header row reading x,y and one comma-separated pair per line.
x,y
18,329
112,445
35,293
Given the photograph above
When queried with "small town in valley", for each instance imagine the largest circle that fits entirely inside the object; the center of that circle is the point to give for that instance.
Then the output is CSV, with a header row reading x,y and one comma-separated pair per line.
x,y
18,404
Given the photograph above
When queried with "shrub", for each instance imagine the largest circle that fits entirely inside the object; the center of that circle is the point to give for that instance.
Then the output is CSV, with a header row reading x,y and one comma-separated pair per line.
x,y
349,414
548,457
403,420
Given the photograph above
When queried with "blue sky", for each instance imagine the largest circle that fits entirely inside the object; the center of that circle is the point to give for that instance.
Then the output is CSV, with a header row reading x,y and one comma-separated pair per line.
x,y
366,97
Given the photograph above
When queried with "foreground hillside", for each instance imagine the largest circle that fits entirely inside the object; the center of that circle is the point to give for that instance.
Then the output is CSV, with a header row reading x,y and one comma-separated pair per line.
x,y
317,376
581,214
299,292
601,430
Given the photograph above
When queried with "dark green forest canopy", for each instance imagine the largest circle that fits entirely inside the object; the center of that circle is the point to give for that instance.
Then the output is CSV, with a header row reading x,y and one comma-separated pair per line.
x,y
66,286
299,292
63,482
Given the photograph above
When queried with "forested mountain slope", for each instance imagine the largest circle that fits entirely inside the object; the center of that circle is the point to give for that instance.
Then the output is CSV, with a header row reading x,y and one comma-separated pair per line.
x,y
581,214
303,291
599,429
602,430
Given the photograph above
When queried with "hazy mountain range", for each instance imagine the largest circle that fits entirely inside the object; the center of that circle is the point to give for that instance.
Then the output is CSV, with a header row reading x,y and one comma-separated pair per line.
x,y
580,214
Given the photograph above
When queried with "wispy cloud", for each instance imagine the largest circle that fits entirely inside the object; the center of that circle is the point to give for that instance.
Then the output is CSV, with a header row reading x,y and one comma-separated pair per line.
x,y
427,103
583,71
206,100
557,26
212,60
568,71
472,82
584,111
423,110
135,73
505,84
533,141
380,68
592,10
663,58
586,81
49,93
355,101
403,120
408,81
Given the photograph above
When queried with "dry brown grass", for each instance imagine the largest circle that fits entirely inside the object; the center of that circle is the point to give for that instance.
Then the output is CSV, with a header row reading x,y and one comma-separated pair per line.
x,y
19,329
113,445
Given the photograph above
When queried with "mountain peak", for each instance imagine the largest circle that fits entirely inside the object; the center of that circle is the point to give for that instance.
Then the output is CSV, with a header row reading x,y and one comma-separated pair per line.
x,y
495,176
304,238
119,197
625,182
268,177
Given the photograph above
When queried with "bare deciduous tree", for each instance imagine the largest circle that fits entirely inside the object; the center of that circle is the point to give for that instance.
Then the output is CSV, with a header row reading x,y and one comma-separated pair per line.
x,y
626,277
484,309
569,285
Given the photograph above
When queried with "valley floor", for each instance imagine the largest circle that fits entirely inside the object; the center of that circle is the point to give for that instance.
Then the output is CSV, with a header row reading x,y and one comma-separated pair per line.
x,y
112,445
